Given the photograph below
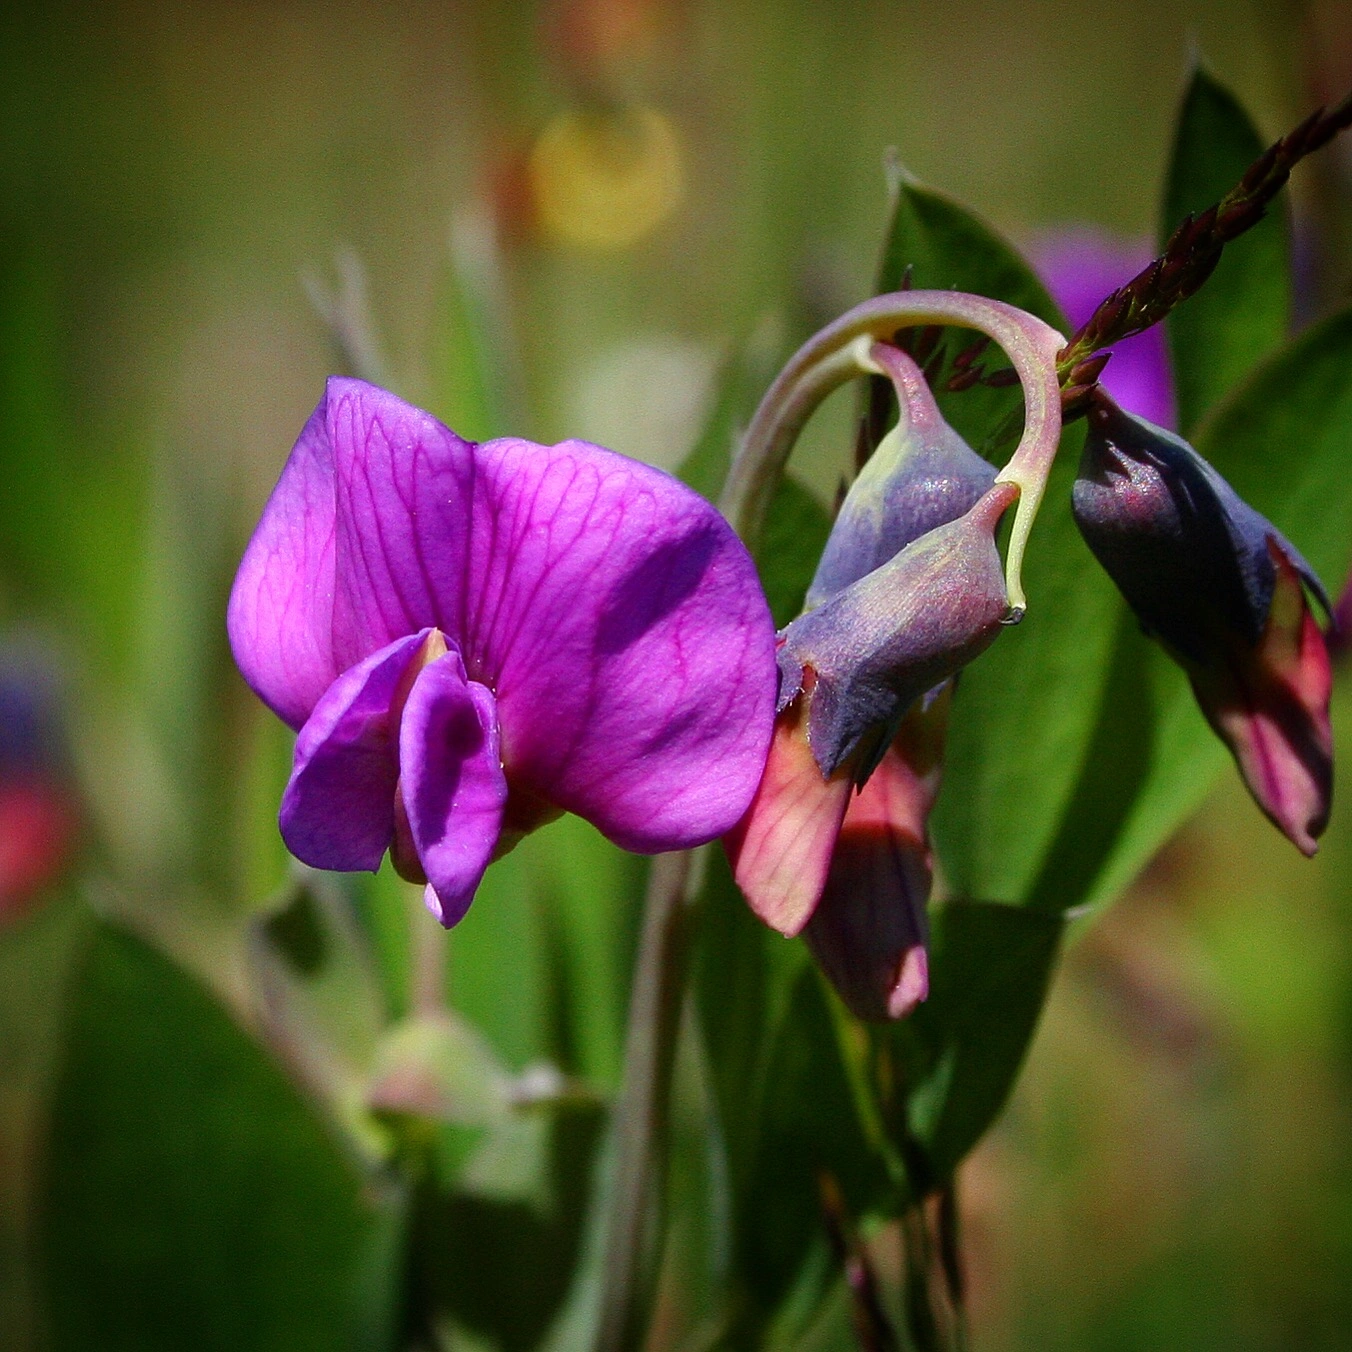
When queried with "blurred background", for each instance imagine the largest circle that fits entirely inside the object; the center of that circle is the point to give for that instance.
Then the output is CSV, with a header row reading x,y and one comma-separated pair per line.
x,y
205,209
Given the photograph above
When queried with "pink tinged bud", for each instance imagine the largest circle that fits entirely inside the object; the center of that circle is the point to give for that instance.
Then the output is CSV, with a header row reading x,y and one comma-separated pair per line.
x,y
883,641
1225,593
1270,705
781,850
869,930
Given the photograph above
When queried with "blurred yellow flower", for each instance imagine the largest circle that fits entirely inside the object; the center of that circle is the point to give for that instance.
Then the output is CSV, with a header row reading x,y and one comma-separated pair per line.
x,y
604,180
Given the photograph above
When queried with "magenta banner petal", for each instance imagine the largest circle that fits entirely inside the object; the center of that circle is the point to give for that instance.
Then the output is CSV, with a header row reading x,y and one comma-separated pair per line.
x,y
281,606
338,810
405,486
452,783
631,645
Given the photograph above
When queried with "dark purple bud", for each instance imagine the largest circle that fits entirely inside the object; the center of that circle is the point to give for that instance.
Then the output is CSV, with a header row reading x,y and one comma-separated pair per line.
x,y
1225,593
878,645
922,475
1184,548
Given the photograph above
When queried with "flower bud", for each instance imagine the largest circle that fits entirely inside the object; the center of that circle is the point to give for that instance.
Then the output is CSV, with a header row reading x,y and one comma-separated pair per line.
x,y
875,647
921,476
1226,594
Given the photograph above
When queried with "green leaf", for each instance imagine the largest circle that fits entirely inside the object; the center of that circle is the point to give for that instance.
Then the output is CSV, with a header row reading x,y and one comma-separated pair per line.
x,y
501,1266
478,365
960,1052
947,247
191,1198
784,1106
1243,311
744,376
541,962
1025,711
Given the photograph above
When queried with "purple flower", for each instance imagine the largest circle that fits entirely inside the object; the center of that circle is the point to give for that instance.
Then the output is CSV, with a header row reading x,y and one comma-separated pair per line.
x,y
1080,267
1226,594
471,639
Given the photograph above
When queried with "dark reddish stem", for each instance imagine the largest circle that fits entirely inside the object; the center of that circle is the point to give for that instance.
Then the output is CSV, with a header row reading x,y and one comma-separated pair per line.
x,y
1191,254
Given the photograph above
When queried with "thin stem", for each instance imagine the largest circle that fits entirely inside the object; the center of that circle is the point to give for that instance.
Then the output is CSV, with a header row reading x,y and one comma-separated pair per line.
x,y
642,1115
431,953
842,351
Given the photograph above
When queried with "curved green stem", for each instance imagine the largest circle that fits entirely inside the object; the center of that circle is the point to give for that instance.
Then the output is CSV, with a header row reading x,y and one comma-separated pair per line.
x,y
840,352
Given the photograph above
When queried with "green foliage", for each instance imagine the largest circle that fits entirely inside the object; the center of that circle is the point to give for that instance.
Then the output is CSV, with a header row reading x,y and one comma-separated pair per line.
x,y
1242,313
954,1060
191,1198
786,1109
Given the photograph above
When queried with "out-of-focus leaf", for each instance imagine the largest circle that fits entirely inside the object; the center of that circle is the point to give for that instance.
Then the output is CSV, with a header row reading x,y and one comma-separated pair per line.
x,y
191,1198
1282,441
744,973
37,954
541,962
1024,711
478,388
958,1054
745,375
1242,313
501,1266
809,1124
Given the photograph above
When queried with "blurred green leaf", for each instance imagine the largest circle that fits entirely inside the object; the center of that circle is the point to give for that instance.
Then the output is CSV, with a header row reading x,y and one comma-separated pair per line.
x,y
501,1266
479,379
957,1056
37,955
1243,311
191,1198
541,962
797,523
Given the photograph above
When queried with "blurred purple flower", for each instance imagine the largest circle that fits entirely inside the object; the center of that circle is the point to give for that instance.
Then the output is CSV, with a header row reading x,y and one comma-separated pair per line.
x,y
1080,266
39,813
471,639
